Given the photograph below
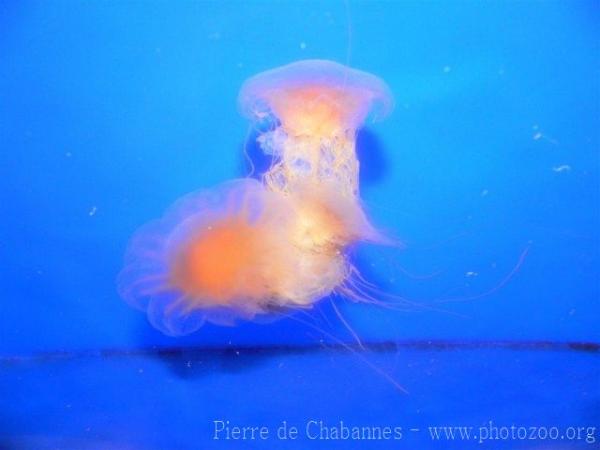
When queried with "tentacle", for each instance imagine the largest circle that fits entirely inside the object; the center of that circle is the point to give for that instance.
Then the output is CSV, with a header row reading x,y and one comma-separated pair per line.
x,y
341,343
346,324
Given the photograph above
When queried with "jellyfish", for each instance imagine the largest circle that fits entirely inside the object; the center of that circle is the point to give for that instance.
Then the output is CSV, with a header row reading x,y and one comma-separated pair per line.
x,y
318,106
253,248
235,251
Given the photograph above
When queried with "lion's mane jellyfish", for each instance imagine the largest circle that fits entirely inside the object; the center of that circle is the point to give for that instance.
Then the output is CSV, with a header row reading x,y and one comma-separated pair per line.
x,y
317,107
251,248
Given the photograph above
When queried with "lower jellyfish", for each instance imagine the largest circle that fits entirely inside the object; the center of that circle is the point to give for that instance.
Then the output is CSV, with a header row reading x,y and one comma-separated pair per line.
x,y
250,248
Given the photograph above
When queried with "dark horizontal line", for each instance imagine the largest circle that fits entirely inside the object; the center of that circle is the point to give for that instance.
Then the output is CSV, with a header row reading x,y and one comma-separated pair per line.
x,y
384,346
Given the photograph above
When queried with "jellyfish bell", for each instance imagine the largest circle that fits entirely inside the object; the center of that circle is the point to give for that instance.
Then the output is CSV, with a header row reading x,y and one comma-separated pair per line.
x,y
225,254
316,97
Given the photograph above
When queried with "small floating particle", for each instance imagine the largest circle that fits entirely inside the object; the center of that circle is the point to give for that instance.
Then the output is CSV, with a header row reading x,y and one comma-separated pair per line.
x,y
302,45
93,211
562,168
539,135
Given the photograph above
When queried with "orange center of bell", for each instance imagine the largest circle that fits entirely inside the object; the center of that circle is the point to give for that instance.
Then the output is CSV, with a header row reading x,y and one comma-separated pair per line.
x,y
314,110
213,263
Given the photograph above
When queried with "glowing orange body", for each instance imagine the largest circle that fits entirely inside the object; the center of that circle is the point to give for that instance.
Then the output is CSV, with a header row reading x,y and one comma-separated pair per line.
x,y
314,110
214,262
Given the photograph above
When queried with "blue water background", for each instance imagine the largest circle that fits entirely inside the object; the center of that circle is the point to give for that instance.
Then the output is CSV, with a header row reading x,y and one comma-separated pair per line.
x,y
110,111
